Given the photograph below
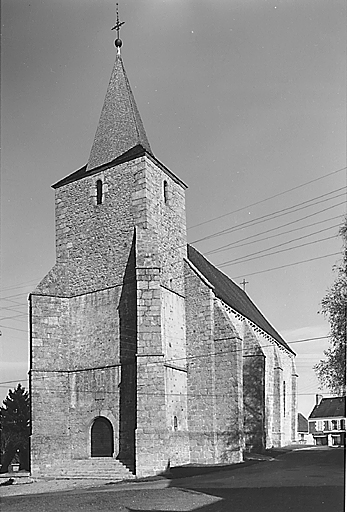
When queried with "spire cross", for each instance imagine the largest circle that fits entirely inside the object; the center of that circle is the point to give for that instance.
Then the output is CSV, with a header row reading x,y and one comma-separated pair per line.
x,y
244,282
118,23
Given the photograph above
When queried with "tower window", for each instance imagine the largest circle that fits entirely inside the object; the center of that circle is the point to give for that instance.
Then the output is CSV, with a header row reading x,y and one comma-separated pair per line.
x,y
166,191
175,423
99,192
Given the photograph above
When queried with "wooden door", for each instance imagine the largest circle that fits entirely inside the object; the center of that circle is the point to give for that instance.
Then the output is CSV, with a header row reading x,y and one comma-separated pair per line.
x,y
102,438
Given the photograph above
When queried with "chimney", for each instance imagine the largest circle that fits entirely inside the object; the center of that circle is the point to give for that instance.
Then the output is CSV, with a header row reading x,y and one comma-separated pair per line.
x,y
318,399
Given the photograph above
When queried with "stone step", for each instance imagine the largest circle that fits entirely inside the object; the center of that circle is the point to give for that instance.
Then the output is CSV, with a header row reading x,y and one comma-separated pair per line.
x,y
98,468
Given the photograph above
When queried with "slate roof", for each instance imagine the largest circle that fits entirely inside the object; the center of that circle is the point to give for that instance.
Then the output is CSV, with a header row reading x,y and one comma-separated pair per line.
x,y
120,135
230,293
302,423
329,408
120,126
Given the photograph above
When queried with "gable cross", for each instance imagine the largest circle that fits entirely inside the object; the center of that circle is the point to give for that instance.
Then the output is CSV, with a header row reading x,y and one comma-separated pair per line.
x,y
243,283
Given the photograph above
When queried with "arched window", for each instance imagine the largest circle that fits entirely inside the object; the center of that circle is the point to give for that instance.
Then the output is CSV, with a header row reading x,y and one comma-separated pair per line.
x,y
175,423
99,192
166,192
284,398
102,438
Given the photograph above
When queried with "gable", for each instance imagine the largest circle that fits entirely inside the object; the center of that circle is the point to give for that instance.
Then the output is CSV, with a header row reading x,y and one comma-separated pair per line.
x,y
302,423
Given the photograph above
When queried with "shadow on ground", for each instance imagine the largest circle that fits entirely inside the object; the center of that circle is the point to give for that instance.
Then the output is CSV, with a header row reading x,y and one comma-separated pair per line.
x,y
189,470
285,499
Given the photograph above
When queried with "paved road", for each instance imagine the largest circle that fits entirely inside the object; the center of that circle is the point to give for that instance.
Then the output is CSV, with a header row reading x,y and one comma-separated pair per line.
x,y
305,480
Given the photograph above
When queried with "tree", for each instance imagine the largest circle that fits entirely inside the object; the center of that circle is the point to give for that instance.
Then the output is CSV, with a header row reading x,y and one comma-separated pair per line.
x,y
331,370
15,428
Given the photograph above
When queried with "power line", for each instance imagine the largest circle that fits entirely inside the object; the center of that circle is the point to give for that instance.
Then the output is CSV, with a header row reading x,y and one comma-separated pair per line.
x,y
248,273
21,285
104,392
15,317
11,296
236,244
288,265
255,255
168,361
268,198
13,308
309,339
13,328
235,228
290,242
2,384
274,215
11,381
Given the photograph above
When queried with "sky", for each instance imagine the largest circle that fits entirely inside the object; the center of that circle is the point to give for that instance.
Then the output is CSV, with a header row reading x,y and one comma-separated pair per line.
x,y
244,100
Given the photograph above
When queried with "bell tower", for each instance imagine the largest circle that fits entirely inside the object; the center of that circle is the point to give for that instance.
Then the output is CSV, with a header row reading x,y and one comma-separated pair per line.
x,y
108,335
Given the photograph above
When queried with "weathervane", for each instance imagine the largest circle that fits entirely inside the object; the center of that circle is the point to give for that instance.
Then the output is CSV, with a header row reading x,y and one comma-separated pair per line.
x,y
118,42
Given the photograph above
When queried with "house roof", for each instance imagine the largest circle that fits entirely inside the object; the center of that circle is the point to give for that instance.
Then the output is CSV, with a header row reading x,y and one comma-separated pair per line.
x,y
329,408
232,295
120,126
302,423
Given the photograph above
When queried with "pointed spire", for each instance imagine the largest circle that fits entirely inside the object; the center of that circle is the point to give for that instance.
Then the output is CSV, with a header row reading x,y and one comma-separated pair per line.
x,y
120,126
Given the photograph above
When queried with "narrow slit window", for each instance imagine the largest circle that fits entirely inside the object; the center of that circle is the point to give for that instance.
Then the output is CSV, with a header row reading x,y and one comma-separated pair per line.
x,y
175,423
284,398
166,192
99,192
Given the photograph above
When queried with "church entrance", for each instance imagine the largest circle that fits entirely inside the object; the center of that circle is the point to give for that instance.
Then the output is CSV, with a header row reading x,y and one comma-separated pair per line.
x,y
102,438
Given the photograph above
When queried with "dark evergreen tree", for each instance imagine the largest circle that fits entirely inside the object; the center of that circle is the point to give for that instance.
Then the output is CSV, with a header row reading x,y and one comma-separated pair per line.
x,y
15,428
331,370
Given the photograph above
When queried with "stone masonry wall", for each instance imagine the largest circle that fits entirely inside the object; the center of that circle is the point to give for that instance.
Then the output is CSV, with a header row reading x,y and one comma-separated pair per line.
x,y
201,369
280,400
160,247
84,318
279,367
294,404
228,388
277,402
50,429
167,219
254,365
93,241
75,348
151,431
173,335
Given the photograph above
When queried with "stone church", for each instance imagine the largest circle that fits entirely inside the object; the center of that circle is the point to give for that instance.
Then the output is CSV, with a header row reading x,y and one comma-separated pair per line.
x,y
143,353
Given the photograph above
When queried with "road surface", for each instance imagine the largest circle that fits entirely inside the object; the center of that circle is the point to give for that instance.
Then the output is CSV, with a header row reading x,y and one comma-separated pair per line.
x,y
304,480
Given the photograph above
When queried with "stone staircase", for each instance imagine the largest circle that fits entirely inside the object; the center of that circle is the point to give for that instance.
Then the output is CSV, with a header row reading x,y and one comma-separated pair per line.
x,y
99,468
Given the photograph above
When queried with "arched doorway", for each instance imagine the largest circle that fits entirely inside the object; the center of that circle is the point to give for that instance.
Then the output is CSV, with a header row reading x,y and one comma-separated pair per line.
x,y
102,438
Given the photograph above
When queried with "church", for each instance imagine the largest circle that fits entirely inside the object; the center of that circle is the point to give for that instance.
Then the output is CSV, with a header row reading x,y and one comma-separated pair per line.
x,y
144,355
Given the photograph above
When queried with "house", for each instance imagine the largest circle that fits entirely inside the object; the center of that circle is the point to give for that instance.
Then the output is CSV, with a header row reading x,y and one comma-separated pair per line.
x,y
304,437
327,422
143,353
